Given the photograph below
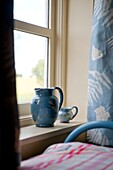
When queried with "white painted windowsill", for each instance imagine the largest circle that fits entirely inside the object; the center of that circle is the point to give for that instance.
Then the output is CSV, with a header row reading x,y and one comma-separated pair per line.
x,y
32,133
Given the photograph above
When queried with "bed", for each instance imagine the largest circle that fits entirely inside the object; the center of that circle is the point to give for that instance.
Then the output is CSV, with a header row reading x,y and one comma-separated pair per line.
x,y
72,154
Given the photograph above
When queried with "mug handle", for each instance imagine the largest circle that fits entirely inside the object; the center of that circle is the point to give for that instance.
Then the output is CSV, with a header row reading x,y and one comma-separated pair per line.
x,y
75,113
61,96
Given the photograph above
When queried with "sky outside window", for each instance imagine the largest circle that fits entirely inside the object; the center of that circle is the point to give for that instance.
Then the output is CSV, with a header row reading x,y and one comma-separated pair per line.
x,y
32,11
29,49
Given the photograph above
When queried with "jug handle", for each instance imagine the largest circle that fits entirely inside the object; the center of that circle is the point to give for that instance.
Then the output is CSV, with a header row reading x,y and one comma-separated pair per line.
x,y
75,113
61,96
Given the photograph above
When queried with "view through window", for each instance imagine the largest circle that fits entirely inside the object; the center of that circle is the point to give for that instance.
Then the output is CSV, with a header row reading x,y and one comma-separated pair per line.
x,y
31,48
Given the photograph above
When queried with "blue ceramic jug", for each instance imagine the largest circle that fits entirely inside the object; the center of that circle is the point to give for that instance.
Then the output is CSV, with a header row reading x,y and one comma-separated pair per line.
x,y
45,106
67,113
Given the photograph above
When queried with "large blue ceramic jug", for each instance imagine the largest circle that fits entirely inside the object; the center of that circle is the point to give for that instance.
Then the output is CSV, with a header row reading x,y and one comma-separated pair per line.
x,y
45,106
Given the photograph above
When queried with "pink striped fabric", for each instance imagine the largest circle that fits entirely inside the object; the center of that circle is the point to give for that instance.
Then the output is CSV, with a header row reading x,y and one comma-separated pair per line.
x,y
71,156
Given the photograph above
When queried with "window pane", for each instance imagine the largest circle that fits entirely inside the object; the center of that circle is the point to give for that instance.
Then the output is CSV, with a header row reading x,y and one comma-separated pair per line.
x,y
32,11
30,64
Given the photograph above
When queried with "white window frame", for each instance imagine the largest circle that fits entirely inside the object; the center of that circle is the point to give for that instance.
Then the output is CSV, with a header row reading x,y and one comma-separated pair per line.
x,y
57,59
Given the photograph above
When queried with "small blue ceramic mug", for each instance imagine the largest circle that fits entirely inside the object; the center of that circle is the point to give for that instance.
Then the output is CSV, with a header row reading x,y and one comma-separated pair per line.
x,y
66,114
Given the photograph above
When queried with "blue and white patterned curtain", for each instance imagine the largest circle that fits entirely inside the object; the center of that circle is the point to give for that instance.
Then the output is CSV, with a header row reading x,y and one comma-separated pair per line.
x,y
100,73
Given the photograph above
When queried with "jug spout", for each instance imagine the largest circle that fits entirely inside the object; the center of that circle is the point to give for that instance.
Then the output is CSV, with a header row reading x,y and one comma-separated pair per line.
x,y
44,91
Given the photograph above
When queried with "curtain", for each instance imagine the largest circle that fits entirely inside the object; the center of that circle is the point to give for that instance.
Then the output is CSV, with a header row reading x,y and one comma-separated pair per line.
x,y
9,120
100,73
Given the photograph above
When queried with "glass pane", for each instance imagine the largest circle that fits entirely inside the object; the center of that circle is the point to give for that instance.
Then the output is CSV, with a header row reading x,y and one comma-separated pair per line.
x,y
30,64
32,11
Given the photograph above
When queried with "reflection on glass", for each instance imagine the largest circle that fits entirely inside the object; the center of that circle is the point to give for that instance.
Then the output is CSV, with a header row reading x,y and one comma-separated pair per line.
x,y
32,11
30,64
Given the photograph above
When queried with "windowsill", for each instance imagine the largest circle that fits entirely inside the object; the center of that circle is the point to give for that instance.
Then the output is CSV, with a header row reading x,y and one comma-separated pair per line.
x,y
35,137
32,133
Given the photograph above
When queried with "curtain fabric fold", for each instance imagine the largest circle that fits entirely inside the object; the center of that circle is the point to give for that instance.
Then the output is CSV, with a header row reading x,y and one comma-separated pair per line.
x,y
9,120
100,73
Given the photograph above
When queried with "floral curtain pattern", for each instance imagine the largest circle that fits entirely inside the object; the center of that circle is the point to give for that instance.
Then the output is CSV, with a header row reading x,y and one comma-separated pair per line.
x,y
9,120
100,73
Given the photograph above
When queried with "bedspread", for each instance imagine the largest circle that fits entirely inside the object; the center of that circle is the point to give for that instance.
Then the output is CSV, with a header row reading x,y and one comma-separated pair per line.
x,y
71,156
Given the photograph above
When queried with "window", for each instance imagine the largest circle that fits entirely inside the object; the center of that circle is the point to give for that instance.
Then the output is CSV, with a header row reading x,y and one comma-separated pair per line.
x,y
35,49
31,64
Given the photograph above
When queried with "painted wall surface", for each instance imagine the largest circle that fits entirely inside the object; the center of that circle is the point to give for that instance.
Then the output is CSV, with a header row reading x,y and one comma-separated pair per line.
x,y
78,52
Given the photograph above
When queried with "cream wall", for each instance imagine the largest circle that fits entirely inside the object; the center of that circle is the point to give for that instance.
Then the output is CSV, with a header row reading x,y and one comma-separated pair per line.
x,y
78,43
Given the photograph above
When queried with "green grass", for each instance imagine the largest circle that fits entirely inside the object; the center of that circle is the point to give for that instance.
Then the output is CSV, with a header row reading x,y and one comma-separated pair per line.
x,y
25,88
